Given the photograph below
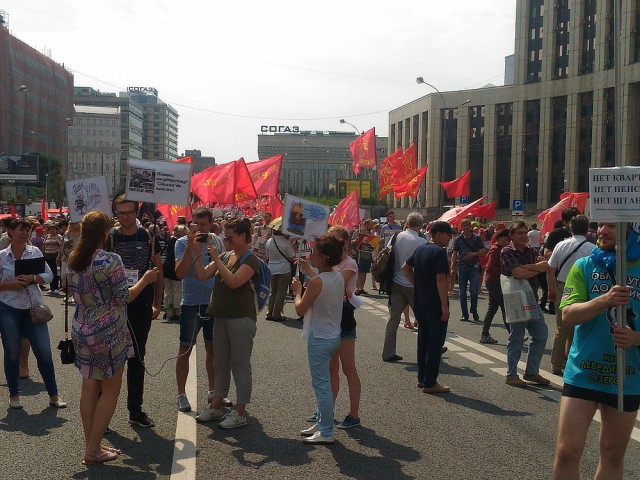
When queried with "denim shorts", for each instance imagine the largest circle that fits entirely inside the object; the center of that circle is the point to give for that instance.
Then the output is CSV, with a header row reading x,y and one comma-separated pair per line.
x,y
364,265
192,319
348,334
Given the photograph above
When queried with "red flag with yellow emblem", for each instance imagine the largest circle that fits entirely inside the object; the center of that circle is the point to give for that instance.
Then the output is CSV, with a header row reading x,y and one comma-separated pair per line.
x,y
411,188
172,212
385,173
405,168
266,175
347,213
363,151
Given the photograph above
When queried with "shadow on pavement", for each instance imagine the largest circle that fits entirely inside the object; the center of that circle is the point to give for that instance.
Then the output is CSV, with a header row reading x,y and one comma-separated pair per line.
x,y
482,406
357,465
445,369
253,448
34,425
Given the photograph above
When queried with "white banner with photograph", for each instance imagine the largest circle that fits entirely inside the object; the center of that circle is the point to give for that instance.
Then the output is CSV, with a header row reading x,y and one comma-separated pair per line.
x,y
304,218
86,195
158,181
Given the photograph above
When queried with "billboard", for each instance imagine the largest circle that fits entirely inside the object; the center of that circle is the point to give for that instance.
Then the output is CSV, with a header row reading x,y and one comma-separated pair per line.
x,y
18,168
345,187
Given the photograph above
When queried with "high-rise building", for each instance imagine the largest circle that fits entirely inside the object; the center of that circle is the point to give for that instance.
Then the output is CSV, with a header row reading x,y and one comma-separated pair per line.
x,y
131,122
36,103
160,129
94,144
537,138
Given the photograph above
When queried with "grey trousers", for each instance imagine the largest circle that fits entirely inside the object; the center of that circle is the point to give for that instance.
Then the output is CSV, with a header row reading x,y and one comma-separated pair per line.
x,y
233,344
279,288
398,300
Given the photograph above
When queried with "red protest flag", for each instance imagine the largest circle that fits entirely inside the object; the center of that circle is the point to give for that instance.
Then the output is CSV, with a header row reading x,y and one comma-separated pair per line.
x,y
43,211
405,168
487,211
183,160
215,184
385,173
12,211
274,206
578,199
458,187
412,187
172,212
455,215
243,188
347,213
266,175
554,214
363,151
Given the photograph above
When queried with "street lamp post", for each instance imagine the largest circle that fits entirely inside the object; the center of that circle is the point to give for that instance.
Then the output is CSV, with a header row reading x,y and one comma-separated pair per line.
x,y
526,197
443,134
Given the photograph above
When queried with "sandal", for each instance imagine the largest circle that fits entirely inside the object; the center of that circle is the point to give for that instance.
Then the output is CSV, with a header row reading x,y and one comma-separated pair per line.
x,y
408,325
107,448
102,457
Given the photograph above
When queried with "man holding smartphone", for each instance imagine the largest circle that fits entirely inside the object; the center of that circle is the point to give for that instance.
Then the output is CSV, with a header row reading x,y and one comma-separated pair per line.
x,y
195,299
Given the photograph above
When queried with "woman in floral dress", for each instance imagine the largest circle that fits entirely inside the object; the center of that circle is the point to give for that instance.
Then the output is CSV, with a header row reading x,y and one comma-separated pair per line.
x,y
98,283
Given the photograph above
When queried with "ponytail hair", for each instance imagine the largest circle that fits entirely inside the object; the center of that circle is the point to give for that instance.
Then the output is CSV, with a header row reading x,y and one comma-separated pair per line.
x,y
92,235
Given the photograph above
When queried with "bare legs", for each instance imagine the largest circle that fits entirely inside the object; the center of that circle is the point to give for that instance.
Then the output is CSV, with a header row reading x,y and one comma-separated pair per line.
x,y
346,354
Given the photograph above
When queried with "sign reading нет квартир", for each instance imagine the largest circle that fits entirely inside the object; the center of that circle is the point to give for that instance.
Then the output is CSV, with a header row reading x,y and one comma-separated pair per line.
x,y
614,194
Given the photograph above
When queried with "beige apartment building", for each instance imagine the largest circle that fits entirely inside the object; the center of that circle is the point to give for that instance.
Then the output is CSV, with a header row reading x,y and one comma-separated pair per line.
x,y
537,136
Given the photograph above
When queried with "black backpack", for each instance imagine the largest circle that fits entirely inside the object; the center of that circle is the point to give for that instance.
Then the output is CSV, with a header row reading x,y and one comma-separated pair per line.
x,y
382,266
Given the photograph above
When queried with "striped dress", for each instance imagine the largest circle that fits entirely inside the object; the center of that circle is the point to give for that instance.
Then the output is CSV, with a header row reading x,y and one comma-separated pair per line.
x,y
100,334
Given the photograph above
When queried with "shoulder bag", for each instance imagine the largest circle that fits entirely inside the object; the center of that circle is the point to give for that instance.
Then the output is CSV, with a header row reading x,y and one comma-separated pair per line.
x,y
40,313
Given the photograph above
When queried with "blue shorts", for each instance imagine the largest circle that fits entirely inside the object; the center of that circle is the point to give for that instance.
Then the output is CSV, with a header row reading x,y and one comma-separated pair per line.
x,y
364,265
192,319
348,334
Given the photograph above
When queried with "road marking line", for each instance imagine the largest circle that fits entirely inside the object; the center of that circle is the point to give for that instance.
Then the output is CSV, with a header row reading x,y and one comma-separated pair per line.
x,y
474,357
183,466
454,347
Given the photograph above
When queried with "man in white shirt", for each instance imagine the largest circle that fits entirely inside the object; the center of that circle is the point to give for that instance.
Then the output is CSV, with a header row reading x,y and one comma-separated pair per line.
x,y
534,236
401,289
562,258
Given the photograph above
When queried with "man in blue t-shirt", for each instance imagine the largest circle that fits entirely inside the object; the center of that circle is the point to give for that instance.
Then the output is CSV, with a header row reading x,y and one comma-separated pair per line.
x,y
589,303
195,300
427,270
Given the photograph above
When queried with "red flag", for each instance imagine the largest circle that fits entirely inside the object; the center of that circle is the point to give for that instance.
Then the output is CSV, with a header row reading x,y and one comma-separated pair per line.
x,y
411,188
363,151
554,214
385,173
455,215
578,199
172,212
487,211
458,187
347,213
43,211
12,211
274,206
243,188
405,168
266,175
183,160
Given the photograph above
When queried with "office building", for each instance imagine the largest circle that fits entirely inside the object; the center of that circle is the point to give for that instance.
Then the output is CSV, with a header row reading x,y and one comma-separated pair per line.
x,y
198,162
94,145
536,138
36,101
315,162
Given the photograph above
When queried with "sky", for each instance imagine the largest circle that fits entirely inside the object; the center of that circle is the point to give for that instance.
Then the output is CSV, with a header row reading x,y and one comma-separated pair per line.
x,y
230,67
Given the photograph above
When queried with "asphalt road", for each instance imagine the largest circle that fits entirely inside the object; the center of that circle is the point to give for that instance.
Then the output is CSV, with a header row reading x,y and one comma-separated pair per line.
x,y
482,430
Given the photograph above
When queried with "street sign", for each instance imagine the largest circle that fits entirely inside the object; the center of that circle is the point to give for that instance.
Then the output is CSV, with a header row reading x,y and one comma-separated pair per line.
x,y
464,199
517,205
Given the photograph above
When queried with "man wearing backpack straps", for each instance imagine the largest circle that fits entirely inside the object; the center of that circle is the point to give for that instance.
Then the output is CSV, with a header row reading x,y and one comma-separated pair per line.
x,y
401,289
562,258
134,245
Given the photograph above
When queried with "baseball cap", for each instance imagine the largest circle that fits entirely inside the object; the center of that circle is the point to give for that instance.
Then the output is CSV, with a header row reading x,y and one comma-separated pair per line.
x,y
441,227
39,230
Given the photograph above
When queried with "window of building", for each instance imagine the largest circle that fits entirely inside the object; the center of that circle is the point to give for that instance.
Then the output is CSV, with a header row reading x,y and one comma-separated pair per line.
x,y
558,145
476,150
561,38
584,140
531,146
534,43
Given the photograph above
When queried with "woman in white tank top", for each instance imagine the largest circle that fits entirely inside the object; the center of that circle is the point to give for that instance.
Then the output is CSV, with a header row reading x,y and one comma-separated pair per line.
x,y
321,306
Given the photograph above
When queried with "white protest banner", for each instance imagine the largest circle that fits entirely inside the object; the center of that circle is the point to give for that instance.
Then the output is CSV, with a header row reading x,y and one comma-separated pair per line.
x,y
614,194
260,248
86,195
304,218
158,181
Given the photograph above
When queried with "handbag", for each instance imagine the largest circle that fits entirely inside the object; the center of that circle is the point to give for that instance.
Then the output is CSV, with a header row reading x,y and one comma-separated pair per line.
x,y
40,313
67,352
348,320
520,303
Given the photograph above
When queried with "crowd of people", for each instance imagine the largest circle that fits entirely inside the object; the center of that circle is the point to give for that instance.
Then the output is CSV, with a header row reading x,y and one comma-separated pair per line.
x,y
121,273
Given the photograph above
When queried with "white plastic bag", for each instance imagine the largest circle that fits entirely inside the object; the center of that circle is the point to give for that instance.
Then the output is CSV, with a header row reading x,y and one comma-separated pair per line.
x,y
520,303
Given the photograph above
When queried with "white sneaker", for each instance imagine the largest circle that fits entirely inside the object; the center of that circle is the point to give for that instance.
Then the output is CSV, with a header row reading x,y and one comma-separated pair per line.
x,y
318,439
307,432
210,414
183,403
225,401
233,419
